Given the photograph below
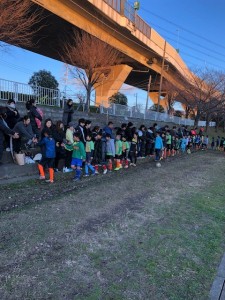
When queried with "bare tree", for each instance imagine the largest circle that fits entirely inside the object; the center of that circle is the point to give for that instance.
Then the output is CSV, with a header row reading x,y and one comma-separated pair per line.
x,y
203,92
171,93
17,22
90,60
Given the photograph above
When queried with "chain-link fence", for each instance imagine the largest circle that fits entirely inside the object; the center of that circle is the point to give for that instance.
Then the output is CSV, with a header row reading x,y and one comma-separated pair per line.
x,y
133,112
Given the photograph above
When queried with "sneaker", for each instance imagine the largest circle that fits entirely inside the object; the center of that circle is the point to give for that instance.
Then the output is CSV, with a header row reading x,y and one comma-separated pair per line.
x,y
96,172
126,166
42,177
86,175
105,171
117,169
134,165
49,181
131,164
76,179
66,170
7,149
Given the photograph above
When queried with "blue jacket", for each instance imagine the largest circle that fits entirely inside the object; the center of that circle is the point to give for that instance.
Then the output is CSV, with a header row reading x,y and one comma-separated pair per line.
x,y
49,144
110,147
109,130
158,142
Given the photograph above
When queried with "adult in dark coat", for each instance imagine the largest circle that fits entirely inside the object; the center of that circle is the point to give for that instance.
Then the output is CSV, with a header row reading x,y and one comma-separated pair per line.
x,y
87,129
59,136
12,117
129,132
26,135
4,129
80,130
33,113
67,113
12,114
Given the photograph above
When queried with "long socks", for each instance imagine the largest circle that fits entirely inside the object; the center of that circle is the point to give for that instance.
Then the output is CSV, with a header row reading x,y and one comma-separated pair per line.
x,y
77,173
51,174
41,170
110,165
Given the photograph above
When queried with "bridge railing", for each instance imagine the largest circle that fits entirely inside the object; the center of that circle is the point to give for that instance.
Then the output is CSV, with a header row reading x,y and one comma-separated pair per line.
x,y
142,26
130,13
22,92
134,112
115,4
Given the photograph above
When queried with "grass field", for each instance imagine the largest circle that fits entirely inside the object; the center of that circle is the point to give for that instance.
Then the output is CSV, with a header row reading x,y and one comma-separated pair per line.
x,y
141,233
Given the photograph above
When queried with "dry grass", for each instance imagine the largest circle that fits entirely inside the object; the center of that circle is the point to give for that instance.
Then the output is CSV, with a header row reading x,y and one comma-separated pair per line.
x,y
142,233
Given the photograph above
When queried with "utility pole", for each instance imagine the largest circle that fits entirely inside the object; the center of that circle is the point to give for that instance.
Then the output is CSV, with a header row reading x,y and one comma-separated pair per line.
x,y
136,99
148,91
161,78
65,80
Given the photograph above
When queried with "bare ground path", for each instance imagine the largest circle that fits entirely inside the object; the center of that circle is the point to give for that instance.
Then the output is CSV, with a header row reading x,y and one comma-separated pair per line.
x,y
142,233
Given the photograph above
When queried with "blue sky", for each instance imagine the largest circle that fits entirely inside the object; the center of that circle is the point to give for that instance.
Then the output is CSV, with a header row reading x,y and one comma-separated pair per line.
x,y
195,27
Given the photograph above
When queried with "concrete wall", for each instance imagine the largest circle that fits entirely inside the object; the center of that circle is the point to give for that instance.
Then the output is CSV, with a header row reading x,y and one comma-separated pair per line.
x,y
97,119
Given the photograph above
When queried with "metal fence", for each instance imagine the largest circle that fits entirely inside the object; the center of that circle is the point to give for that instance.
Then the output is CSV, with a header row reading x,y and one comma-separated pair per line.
x,y
22,92
133,112
130,13
115,4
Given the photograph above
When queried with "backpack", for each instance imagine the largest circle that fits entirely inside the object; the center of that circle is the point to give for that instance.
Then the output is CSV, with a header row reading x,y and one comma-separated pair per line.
x,y
38,122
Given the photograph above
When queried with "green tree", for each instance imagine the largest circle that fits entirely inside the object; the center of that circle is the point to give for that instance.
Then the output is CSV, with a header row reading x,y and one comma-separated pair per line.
x,y
154,108
43,78
118,98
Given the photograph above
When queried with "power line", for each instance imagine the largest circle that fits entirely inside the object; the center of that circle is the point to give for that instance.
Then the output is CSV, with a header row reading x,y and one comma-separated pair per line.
x,y
16,67
187,30
127,38
185,39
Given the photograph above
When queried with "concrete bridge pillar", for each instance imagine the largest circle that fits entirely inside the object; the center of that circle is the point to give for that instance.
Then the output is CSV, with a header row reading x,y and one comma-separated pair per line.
x,y
111,84
163,101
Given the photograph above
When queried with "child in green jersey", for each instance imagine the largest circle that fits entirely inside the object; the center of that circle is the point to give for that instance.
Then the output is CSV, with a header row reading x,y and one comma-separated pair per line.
x,y
118,153
89,149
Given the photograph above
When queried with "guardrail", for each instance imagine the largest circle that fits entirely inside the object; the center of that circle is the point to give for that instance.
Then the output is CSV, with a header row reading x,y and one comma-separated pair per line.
x,y
22,92
133,112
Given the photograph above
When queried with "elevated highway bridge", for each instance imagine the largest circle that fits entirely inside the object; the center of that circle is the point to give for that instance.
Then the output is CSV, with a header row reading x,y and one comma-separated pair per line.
x,y
143,51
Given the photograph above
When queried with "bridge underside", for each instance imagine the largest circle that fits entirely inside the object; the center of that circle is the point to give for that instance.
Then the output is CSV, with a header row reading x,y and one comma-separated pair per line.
x,y
49,40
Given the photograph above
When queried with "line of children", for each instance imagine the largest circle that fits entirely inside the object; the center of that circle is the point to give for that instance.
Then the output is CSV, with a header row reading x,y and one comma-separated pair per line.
x,y
89,152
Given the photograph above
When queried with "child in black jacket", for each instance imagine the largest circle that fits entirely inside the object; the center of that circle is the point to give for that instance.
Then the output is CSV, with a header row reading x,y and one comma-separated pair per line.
x,y
99,153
